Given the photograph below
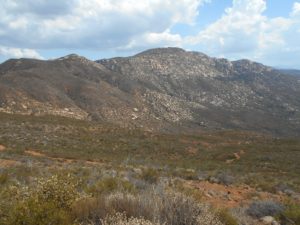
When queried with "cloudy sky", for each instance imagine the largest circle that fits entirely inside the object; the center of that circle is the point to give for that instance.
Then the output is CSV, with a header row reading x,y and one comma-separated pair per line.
x,y
267,31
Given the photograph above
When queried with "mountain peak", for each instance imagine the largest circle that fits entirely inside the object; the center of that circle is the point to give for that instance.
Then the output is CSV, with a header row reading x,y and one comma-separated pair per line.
x,y
167,50
72,56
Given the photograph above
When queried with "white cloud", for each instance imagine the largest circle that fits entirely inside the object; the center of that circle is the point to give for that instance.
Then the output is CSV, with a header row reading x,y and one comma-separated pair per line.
x,y
150,40
296,9
19,53
244,31
93,24
238,30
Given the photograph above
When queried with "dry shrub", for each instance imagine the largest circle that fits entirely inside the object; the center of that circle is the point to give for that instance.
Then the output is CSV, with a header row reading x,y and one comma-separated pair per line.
x,y
89,210
150,175
226,217
156,205
121,219
265,208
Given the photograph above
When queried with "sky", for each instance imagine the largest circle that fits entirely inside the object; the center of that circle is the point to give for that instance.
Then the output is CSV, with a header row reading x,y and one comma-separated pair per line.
x,y
267,31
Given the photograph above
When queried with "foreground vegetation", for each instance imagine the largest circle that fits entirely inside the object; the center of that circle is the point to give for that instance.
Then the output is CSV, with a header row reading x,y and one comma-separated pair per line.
x,y
72,200
62,171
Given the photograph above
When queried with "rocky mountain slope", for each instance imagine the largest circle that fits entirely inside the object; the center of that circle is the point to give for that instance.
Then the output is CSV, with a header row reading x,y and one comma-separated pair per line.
x,y
159,89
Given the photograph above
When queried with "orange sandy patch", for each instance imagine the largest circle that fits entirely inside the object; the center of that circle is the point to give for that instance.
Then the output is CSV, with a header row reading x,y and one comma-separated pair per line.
x,y
5,163
63,160
192,150
39,154
222,196
237,156
34,153
2,148
59,159
207,144
92,162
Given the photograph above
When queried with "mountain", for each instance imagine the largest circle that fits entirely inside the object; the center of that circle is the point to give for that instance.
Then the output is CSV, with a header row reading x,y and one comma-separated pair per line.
x,y
167,89
291,72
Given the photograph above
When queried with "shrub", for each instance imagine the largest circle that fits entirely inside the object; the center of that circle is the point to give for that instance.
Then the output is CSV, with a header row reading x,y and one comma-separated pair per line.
x,y
109,185
264,208
59,190
291,213
224,178
157,206
226,217
47,202
150,175
121,219
179,186
187,174
3,178
105,185
89,210
207,217
32,212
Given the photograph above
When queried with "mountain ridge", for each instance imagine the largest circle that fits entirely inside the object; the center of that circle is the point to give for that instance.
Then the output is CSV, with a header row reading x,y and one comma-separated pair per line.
x,y
159,89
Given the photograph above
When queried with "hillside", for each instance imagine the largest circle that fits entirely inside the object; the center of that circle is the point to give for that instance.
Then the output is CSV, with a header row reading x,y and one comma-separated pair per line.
x,y
233,177
166,89
291,72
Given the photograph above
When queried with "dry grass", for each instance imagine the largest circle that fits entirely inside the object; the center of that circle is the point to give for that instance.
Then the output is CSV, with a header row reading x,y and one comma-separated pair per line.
x,y
156,205
121,219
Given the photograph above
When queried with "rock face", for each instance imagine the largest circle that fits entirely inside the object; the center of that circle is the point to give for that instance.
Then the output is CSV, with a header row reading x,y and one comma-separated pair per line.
x,y
166,88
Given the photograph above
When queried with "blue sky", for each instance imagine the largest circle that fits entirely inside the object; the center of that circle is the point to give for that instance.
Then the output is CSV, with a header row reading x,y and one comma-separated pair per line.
x,y
261,30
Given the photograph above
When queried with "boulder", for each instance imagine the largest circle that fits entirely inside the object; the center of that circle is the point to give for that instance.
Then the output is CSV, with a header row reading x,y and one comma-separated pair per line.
x,y
268,220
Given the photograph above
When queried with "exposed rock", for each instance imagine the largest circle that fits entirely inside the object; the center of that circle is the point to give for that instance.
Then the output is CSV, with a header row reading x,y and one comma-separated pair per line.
x,y
2,148
213,180
268,220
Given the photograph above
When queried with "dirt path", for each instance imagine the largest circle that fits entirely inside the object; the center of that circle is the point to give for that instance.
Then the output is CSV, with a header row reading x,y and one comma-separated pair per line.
x,y
6,163
222,196
36,153
2,148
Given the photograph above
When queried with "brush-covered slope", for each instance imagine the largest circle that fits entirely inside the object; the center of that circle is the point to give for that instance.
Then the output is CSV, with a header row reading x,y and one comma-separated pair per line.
x,y
192,88
165,88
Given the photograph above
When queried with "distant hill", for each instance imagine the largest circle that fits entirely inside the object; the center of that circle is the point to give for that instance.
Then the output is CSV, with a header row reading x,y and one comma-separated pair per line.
x,y
291,72
167,89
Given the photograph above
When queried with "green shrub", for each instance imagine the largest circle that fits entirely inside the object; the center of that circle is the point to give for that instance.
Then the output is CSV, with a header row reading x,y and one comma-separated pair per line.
x,y
109,185
150,175
4,178
33,212
59,190
47,202
105,185
291,213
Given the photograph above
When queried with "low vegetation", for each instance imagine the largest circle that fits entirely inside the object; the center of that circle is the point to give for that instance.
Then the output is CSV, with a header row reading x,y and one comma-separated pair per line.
x,y
59,200
62,171
260,209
